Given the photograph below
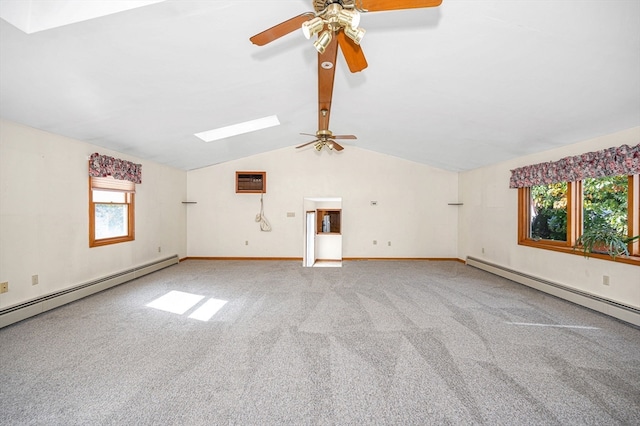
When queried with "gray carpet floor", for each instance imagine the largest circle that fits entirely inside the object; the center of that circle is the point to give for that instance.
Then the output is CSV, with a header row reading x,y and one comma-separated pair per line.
x,y
409,343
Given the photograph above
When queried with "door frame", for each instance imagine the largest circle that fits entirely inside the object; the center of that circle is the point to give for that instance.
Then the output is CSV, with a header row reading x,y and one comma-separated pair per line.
x,y
310,234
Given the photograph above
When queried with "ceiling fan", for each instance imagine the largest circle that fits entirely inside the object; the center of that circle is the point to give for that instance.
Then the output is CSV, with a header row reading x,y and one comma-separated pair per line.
x,y
335,22
324,137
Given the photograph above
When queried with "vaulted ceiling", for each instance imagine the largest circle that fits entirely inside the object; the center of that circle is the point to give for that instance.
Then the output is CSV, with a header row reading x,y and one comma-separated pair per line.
x,y
463,85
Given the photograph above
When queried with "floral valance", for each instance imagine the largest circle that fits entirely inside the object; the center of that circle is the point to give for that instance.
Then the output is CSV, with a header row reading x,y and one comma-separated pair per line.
x,y
102,166
624,160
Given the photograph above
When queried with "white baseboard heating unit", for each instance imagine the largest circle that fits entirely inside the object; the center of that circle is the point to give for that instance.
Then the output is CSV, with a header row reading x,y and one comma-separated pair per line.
x,y
15,313
612,308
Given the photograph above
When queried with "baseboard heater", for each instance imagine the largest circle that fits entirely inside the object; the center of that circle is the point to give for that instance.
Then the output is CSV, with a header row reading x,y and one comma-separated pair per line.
x,y
33,307
606,306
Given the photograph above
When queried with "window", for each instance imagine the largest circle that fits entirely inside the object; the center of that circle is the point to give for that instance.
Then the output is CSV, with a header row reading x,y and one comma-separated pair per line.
x,y
553,216
549,212
328,221
111,211
605,202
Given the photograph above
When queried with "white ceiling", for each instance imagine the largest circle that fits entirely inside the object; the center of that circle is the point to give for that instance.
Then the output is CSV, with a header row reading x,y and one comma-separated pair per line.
x,y
467,84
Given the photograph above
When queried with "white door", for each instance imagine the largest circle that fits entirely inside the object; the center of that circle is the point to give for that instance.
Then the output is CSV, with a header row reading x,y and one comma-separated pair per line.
x,y
310,240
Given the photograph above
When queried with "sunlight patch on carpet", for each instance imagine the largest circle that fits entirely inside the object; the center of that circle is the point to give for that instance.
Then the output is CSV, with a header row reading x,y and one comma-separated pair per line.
x,y
179,302
208,309
584,327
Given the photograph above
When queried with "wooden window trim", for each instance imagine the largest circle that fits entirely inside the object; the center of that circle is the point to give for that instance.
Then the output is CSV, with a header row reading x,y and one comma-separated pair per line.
x,y
574,221
634,213
93,242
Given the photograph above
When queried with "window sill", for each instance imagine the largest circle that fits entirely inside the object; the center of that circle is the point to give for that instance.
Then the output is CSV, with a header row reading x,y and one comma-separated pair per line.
x,y
563,248
108,241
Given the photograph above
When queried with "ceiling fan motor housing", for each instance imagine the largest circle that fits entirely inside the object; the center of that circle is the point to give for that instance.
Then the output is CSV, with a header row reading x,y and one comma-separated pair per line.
x,y
324,134
320,5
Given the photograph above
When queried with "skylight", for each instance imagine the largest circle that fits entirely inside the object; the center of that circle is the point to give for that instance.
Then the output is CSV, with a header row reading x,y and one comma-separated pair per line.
x,y
32,16
238,129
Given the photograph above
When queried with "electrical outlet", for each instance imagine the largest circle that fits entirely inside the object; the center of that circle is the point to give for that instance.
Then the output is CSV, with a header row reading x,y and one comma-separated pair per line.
x,y
605,280
159,249
389,243
34,279
246,243
482,250
4,287
375,242
291,214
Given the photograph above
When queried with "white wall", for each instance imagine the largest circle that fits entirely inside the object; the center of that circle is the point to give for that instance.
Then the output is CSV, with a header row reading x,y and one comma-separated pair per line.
x,y
412,210
489,216
44,219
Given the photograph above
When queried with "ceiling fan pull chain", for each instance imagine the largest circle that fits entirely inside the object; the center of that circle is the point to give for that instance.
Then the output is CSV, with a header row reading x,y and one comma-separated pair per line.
x,y
264,223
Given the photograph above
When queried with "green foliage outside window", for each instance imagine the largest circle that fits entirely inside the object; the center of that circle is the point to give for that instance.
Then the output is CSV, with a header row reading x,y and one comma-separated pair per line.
x,y
605,204
549,212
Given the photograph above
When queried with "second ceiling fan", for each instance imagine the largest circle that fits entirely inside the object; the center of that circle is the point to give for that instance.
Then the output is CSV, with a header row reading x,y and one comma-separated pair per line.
x,y
335,22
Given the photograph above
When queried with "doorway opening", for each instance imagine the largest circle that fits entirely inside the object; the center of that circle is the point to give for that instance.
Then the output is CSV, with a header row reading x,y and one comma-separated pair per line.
x,y
323,232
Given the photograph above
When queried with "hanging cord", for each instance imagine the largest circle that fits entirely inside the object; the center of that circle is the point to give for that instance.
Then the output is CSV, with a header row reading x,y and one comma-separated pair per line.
x,y
264,223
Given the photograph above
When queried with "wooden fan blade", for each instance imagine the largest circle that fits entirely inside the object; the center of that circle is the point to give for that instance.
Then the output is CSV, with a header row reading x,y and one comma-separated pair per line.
x,y
282,29
380,5
344,137
337,146
308,143
352,53
326,75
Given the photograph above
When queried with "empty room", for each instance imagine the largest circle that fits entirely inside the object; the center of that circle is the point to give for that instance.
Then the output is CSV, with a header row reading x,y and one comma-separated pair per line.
x,y
331,212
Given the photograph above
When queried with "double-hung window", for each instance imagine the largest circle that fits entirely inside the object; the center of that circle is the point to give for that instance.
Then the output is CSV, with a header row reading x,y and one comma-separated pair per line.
x,y
111,211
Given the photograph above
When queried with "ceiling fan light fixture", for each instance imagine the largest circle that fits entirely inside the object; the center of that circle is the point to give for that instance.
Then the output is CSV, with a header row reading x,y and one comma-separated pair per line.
x,y
348,18
355,34
312,27
323,41
318,146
